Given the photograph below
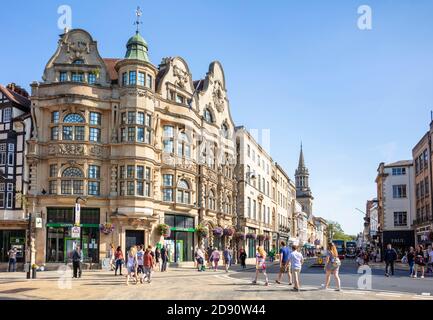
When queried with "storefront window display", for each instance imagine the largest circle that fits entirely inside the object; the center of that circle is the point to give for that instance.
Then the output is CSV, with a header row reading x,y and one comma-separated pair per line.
x,y
60,242
180,244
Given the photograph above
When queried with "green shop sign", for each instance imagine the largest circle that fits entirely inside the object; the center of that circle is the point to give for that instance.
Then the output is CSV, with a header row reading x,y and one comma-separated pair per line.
x,y
70,225
183,229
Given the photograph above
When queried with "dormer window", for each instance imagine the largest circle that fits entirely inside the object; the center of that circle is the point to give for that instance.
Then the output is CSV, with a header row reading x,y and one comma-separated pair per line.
x,y
63,76
77,77
78,61
91,79
208,115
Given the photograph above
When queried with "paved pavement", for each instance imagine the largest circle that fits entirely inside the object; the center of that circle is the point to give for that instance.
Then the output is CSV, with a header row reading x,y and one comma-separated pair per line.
x,y
188,284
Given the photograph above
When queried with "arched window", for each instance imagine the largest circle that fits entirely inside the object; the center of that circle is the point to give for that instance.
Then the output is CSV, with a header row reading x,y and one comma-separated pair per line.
x,y
183,192
73,131
225,130
227,205
73,118
78,61
72,181
211,204
208,116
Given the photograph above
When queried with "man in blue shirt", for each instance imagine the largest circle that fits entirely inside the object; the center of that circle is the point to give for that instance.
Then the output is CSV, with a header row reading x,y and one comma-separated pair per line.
x,y
284,263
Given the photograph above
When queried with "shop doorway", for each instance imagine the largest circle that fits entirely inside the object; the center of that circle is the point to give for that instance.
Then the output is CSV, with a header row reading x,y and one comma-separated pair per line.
x,y
133,237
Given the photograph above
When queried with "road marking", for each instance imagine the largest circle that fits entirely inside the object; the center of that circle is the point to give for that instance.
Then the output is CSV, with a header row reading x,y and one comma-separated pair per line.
x,y
425,294
387,294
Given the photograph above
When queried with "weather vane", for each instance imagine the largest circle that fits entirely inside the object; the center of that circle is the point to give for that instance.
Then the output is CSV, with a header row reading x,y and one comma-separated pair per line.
x,y
138,14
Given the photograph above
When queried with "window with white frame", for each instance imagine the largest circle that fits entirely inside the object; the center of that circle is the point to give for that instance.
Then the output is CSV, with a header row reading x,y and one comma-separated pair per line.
x,y
183,192
400,219
167,191
7,115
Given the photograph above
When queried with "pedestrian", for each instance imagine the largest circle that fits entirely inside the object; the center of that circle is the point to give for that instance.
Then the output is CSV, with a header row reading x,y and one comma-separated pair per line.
x,y
390,255
429,258
243,258
209,254
148,265
111,257
227,258
12,254
131,265
285,266
410,257
164,258
140,261
332,266
118,256
272,254
261,265
296,261
200,259
157,258
76,262
419,261
215,258
366,258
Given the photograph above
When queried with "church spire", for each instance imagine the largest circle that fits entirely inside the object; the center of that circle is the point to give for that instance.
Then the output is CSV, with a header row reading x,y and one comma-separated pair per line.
x,y
301,163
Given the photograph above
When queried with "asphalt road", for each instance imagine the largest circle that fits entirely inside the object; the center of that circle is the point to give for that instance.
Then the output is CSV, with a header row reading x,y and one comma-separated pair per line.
x,y
315,276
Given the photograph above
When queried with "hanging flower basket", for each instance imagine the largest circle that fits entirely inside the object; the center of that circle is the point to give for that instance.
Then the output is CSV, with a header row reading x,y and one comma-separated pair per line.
x,y
251,236
261,237
229,232
106,228
240,236
202,231
164,230
218,232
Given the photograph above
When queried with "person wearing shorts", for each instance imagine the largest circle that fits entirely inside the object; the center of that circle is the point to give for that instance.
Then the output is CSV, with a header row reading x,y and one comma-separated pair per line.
x,y
285,266
296,260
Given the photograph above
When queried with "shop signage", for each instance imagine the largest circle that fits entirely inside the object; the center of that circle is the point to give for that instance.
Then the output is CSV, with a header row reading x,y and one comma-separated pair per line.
x,y
70,225
77,214
75,232
183,229
38,223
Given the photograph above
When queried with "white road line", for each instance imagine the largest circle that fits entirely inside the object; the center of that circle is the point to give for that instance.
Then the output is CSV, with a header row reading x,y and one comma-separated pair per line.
x,y
386,294
425,294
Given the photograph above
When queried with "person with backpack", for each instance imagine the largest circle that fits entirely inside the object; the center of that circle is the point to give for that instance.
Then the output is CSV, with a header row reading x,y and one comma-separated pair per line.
x,y
419,261
119,260
390,255
227,259
332,266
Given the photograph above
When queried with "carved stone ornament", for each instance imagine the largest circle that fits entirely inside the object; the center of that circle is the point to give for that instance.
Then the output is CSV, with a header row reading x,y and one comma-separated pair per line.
x,y
182,77
71,149
218,97
77,48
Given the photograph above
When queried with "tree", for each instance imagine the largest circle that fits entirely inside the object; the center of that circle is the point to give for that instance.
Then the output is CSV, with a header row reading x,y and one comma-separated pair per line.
x,y
335,232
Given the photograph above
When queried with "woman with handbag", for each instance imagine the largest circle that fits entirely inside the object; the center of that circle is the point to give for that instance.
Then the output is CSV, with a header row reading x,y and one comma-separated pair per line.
x,y
261,265
118,255
332,266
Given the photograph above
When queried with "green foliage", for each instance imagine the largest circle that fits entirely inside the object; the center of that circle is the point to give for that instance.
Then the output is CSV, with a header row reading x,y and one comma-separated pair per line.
x,y
335,232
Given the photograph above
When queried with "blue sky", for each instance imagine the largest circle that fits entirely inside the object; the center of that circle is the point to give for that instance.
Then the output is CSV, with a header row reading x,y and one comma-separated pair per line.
x,y
302,69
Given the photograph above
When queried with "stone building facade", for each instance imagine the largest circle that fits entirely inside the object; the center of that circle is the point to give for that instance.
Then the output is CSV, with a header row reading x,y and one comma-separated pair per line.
x,y
141,145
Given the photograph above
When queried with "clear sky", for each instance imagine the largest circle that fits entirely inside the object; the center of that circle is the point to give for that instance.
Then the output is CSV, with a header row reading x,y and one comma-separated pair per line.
x,y
302,69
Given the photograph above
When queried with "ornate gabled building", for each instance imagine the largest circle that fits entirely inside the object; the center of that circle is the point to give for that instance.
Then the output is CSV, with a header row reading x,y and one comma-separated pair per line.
x,y
142,145
303,191
15,130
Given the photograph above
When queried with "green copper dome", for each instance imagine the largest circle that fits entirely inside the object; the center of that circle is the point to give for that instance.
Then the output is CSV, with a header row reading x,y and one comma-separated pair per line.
x,y
137,48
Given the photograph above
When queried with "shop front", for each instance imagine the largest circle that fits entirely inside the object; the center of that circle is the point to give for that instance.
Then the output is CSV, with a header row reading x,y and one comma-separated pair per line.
x,y
424,235
12,239
401,241
251,242
61,240
180,244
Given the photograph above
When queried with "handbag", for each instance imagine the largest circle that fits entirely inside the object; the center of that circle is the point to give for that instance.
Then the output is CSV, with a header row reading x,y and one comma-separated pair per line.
x,y
336,263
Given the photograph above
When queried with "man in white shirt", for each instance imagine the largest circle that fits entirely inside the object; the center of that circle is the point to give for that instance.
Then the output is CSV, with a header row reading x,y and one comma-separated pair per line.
x,y
296,261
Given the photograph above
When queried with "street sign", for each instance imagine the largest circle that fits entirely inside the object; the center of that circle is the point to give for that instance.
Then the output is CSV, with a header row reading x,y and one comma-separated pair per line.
x,y
75,232
77,214
38,223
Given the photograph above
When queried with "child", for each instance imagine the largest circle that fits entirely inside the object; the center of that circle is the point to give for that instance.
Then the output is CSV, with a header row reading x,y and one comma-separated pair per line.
x,y
296,260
